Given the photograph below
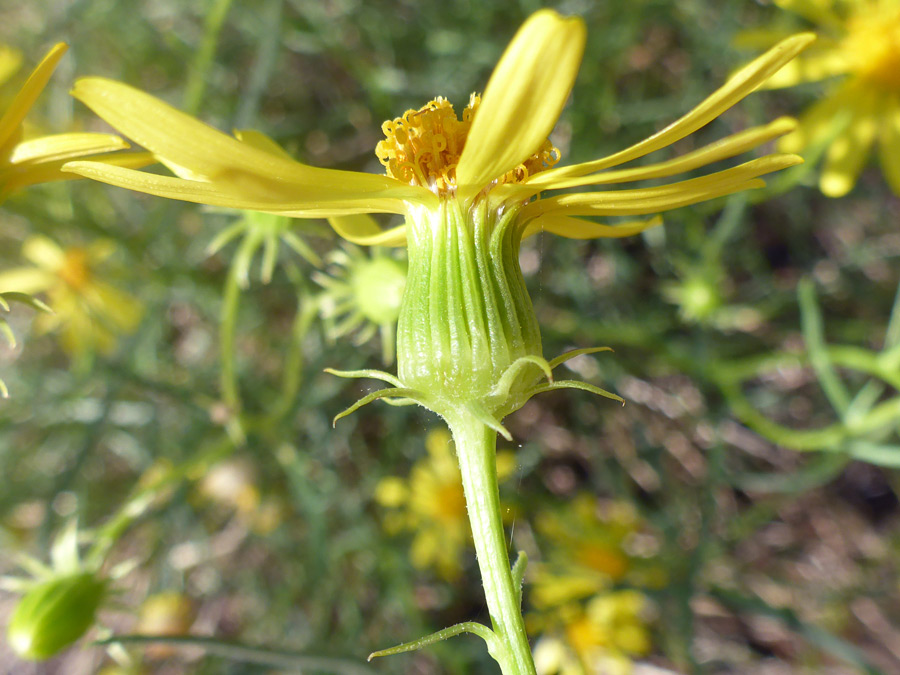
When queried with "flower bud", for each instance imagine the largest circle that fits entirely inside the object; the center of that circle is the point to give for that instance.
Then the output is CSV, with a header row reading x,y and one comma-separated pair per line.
x,y
53,614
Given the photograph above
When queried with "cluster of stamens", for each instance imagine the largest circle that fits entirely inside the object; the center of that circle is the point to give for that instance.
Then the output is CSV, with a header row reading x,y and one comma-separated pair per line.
x,y
423,147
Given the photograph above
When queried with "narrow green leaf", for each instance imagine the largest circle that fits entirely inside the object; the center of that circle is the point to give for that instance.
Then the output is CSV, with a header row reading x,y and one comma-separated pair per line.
x,y
813,334
233,651
518,573
478,629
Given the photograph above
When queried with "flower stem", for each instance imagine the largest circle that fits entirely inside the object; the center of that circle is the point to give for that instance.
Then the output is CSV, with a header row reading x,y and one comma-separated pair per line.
x,y
476,449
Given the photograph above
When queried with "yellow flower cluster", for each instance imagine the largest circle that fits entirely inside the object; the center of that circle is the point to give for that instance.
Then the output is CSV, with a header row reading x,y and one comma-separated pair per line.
x,y
430,504
89,311
859,43
67,276
588,624
599,638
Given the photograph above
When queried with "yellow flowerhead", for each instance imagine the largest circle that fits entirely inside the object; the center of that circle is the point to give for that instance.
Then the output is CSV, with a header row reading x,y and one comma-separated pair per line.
x,y
39,160
602,637
88,311
431,504
859,41
588,551
467,336
498,150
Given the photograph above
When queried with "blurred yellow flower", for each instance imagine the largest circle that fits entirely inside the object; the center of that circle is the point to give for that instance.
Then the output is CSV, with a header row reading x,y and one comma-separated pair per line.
x,y
588,551
234,484
39,160
860,40
598,639
168,613
88,311
431,504
588,626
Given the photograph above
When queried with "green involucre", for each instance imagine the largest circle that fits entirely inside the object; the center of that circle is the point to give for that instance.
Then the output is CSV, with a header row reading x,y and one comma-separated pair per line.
x,y
466,315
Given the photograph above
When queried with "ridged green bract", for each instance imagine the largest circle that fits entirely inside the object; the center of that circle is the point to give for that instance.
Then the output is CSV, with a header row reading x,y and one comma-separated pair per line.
x,y
53,614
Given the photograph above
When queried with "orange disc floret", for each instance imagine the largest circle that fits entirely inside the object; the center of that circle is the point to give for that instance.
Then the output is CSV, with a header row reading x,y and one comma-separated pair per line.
x,y
423,147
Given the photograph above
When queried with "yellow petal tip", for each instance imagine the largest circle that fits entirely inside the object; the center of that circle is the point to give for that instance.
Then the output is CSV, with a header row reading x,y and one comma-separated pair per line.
x,y
835,184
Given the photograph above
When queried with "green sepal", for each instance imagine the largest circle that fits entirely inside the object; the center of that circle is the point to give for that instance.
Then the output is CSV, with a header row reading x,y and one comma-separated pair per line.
x,y
482,631
504,384
488,420
373,374
575,384
224,237
8,333
24,299
400,392
562,358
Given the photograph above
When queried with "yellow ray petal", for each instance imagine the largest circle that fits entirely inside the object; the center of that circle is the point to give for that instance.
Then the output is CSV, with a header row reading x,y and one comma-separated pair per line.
x,y
848,152
195,149
10,61
665,197
621,203
43,252
817,11
890,145
362,229
260,141
235,195
29,92
122,309
723,149
738,86
824,119
577,228
25,280
21,176
64,146
523,98
810,68
128,160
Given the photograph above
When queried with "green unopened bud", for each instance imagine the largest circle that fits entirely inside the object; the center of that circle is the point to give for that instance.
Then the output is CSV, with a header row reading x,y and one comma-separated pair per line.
x,y
698,297
378,287
466,315
363,293
53,614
